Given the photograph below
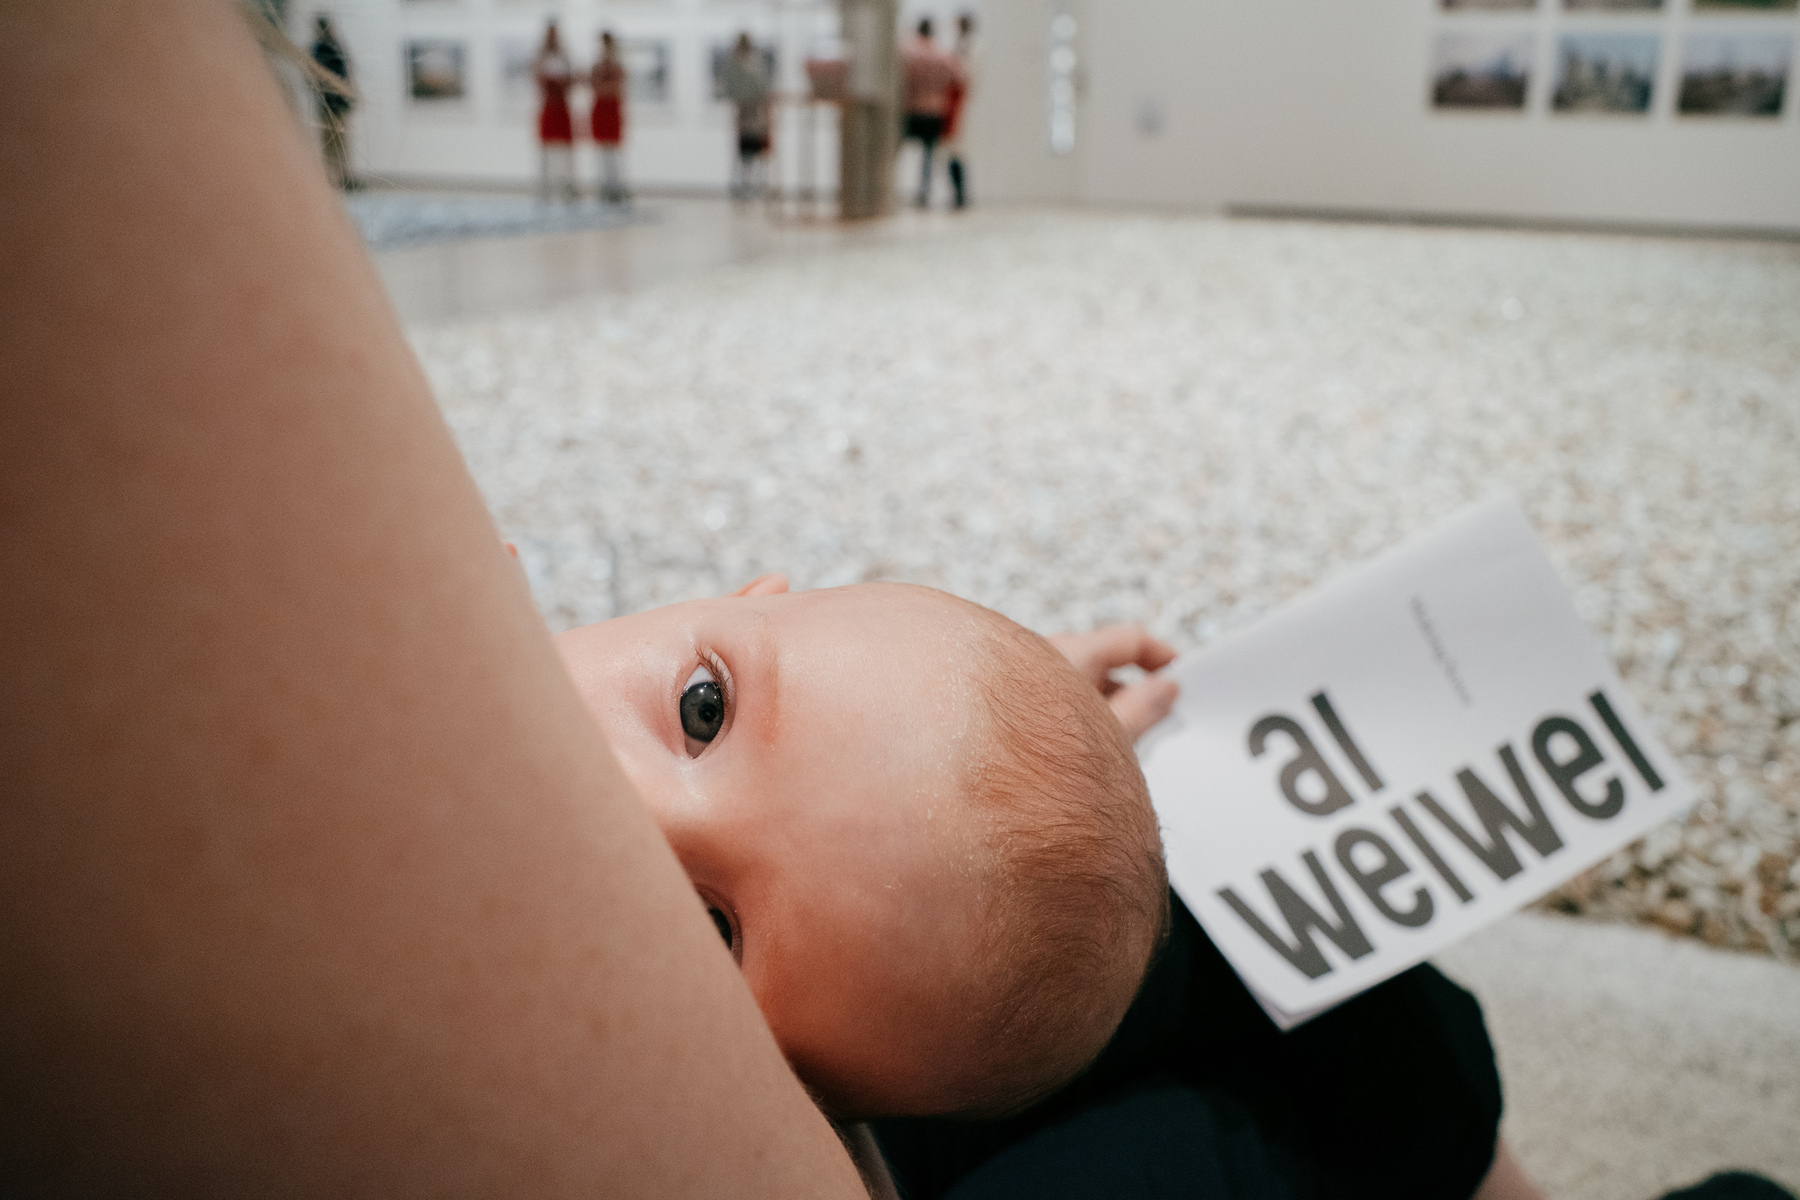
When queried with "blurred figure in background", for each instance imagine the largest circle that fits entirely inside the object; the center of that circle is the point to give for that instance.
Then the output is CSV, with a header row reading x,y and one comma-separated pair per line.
x,y
929,77
335,103
609,83
746,83
556,129
960,91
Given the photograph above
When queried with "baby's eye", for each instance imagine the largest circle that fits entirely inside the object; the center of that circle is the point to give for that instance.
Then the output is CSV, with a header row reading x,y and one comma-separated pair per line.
x,y
702,709
722,923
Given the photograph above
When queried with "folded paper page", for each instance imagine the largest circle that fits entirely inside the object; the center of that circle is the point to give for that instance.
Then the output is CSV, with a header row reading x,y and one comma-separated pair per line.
x,y
1397,759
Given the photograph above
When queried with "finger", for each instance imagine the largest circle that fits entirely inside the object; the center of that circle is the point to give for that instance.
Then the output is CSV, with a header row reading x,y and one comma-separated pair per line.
x,y
1127,646
1082,651
1144,703
1154,655
772,584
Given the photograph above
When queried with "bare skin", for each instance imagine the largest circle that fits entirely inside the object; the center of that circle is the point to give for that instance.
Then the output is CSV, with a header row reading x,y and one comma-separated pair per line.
x,y
823,814
314,878
824,822
1098,654
1506,1179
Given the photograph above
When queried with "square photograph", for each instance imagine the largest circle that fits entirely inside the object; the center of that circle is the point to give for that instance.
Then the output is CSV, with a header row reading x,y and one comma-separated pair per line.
x,y
1605,72
1485,70
436,70
1735,74
518,90
646,69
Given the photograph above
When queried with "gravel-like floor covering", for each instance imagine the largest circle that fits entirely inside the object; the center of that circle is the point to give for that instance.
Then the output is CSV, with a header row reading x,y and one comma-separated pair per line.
x,y
1636,1063
1079,419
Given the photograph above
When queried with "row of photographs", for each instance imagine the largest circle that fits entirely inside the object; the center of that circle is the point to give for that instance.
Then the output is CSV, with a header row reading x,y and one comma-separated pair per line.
x,y
1722,74
1735,74
1618,5
437,69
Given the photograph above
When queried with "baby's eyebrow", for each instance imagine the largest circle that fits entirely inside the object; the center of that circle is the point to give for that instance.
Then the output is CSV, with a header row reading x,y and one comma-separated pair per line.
x,y
760,667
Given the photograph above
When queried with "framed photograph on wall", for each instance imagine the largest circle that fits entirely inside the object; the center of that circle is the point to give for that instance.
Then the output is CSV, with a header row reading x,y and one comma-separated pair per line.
x,y
1612,5
646,63
1747,5
1605,72
1486,69
518,90
1735,74
1488,5
436,70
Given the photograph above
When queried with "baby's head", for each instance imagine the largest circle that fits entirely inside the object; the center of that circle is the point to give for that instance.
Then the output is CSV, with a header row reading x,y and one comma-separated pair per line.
x,y
923,833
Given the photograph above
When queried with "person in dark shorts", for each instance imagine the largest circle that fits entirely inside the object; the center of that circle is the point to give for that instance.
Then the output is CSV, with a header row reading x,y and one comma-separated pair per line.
x,y
930,79
744,80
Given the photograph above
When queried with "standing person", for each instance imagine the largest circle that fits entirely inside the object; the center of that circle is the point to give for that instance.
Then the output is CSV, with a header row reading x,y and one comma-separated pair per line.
x,y
556,129
929,77
609,83
335,103
955,122
746,83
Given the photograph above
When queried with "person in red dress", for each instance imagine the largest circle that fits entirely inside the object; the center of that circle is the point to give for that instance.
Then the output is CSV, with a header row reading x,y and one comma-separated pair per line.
x,y
609,84
556,129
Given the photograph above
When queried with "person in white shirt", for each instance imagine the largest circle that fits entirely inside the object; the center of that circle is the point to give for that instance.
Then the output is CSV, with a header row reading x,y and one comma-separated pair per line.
x,y
745,82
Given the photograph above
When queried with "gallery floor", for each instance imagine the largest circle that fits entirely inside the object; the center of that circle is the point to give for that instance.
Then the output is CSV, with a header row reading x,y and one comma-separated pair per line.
x,y
1079,417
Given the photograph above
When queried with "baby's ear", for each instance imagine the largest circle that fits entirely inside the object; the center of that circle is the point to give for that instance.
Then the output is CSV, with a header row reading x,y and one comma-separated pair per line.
x,y
772,584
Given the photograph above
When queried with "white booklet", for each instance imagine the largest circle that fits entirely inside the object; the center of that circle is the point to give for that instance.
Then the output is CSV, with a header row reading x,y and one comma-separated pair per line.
x,y
1395,760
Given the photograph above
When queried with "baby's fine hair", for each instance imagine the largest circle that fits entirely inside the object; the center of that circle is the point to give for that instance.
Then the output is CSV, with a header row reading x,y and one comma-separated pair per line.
x,y
1082,892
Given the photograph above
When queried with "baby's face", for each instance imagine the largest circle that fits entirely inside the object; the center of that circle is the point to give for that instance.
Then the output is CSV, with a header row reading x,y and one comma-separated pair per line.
x,y
805,755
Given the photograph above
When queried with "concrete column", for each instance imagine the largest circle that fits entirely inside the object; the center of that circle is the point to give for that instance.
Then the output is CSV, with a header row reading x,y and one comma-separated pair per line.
x,y
870,130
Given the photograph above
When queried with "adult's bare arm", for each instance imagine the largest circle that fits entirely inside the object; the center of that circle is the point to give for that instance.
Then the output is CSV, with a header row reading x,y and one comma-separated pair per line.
x,y
315,877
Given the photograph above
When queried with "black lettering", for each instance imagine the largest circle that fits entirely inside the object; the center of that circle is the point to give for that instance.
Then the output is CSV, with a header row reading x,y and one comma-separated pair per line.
x,y
1346,743
1623,736
1302,918
1417,836
1565,773
1372,881
1496,818
1307,761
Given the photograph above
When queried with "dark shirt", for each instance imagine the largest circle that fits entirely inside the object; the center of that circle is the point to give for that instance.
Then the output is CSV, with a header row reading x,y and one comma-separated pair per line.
x,y
1392,1094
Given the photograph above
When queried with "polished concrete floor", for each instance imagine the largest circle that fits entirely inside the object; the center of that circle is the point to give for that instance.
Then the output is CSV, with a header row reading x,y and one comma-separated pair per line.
x,y
680,237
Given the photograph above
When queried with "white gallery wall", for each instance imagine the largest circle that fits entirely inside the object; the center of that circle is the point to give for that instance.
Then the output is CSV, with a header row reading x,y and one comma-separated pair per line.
x,y
1323,105
1288,104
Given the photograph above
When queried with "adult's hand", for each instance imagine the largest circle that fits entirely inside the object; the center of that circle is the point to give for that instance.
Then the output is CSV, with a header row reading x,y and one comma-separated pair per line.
x,y
1097,655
